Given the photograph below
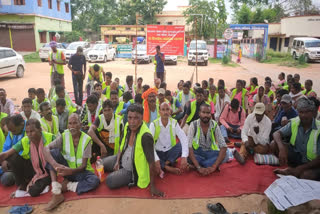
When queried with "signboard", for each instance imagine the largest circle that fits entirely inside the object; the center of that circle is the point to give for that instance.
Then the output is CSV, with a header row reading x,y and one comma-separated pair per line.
x,y
228,33
170,38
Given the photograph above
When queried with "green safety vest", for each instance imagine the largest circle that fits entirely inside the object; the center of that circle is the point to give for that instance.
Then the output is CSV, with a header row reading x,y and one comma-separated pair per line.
x,y
117,122
47,138
75,160
3,115
119,107
193,106
140,160
58,59
157,131
108,92
69,104
46,127
307,94
252,89
196,138
244,92
36,104
313,138
213,99
55,113
286,87
271,93
191,94
87,117
173,105
2,139
100,73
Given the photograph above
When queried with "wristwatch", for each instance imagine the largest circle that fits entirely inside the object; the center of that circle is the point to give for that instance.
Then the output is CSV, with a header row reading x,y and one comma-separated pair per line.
x,y
198,167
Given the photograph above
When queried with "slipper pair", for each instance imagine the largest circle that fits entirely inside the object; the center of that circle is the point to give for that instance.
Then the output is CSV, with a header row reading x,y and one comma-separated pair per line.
x,y
25,209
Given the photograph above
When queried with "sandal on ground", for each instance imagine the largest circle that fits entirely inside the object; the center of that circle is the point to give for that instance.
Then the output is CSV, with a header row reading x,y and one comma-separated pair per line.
x,y
217,208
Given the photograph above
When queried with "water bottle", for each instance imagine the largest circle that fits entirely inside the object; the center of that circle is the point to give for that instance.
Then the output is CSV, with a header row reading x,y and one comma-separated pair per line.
x,y
100,169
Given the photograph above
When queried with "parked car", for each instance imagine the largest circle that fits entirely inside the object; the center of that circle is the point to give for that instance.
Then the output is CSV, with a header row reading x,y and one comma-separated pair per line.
x,y
141,54
72,48
46,49
170,59
101,52
306,46
11,62
202,52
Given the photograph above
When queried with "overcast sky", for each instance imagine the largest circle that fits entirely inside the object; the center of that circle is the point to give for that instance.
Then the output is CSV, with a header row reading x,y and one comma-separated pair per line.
x,y
172,5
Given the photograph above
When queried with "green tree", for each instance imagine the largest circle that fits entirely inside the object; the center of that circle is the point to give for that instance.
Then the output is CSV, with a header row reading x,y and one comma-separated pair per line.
x,y
148,9
244,15
213,15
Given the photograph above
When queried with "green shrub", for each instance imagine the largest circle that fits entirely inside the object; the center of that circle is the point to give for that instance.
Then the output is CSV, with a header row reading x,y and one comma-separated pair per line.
x,y
225,59
271,53
301,60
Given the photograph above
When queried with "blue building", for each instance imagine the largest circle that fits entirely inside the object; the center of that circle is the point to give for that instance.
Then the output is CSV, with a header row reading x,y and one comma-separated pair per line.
x,y
34,21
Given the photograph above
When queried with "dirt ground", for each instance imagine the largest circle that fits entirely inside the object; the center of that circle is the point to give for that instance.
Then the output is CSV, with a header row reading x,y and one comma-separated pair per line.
x,y
243,204
37,75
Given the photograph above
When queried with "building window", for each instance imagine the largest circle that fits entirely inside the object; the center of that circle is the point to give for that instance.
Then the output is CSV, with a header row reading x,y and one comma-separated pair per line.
x,y
113,28
39,3
19,2
67,7
52,36
286,42
142,29
43,36
58,5
158,23
50,4
127,28
169,23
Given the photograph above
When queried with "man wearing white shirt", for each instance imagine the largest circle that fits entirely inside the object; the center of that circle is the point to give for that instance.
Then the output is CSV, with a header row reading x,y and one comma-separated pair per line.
x,y
27,112
222,100
255,134
6,104
165,130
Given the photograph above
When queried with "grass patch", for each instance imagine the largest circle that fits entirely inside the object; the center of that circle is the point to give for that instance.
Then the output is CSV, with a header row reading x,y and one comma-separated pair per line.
x,y
219,61
34,57
284,59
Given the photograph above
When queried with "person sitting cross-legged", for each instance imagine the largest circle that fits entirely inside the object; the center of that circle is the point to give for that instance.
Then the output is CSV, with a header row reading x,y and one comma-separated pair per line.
x,y
207,148
69,156
49,122
27,112
134,164
232,120
29,168
302,152
165,130
255,134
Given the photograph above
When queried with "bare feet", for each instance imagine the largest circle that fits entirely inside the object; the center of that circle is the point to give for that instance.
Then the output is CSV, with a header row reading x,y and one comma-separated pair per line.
x,y
173,170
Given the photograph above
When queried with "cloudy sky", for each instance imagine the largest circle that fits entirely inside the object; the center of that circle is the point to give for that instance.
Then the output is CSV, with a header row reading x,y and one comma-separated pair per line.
x,y
172,5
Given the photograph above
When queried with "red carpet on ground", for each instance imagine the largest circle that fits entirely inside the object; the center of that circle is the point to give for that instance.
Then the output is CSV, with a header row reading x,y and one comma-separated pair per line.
x,y
232,180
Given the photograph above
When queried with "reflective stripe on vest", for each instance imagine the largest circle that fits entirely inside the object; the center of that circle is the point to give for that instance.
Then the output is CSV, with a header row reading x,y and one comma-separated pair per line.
x,y
55,123
58,59
213,99
193,107
140,160
47,138
173,105
75,160
312,141
119,107
195,142
116,131
243,95
157,131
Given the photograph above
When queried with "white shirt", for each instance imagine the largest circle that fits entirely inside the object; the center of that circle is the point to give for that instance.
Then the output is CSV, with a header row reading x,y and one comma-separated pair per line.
x,y
34,115
220,103
263,137
163,143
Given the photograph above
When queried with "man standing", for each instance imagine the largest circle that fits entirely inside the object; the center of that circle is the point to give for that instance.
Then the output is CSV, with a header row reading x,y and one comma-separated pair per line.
x,y
159,58
29,168
78,66
6,104
165,130
207,148
134,164
69,156
56,60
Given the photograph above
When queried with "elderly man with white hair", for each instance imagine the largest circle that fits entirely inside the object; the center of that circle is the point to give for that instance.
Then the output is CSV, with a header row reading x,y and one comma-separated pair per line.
x,y
302,153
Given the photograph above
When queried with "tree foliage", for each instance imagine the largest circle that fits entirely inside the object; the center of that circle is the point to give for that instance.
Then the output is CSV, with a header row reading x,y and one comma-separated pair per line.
x,y
213,17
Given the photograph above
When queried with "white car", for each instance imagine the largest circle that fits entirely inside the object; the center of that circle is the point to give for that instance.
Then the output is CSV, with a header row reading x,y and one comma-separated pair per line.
x,y
170,59
46,49
307,47
141,54
202,52
72,49
11,63
101,52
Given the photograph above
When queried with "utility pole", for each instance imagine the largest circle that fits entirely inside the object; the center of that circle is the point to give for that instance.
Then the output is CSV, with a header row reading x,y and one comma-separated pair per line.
x,y
195,24
136,59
